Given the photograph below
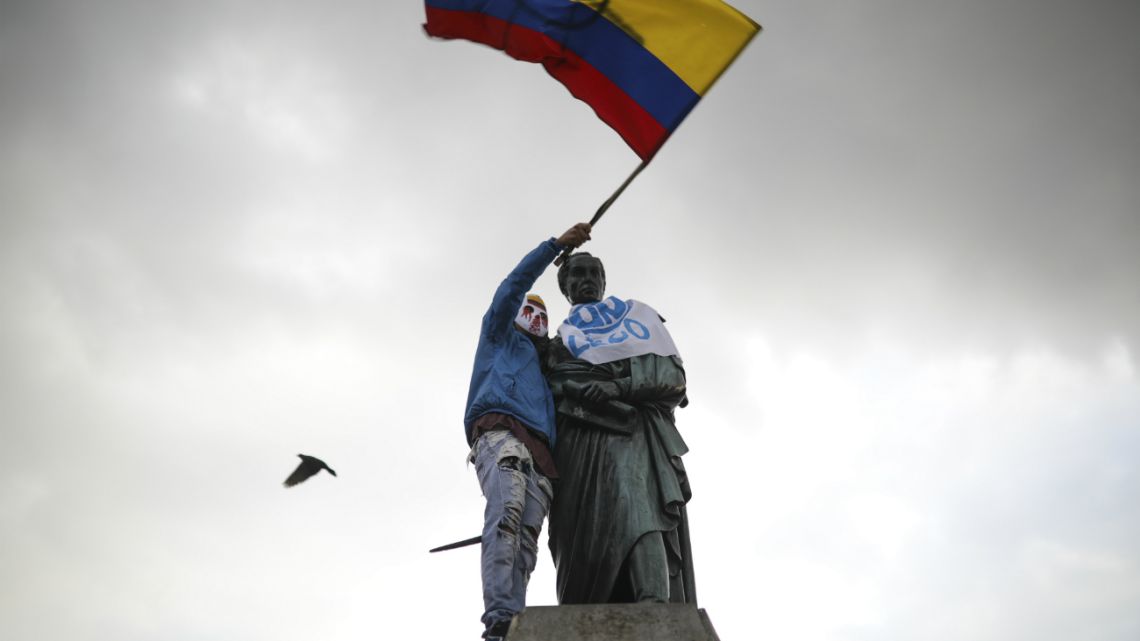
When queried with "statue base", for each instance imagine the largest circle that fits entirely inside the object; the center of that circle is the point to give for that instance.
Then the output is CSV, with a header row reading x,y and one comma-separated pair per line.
x,y
613,622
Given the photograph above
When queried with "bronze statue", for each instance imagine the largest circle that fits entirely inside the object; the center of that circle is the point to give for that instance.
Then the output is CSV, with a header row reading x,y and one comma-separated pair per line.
x,y
618,525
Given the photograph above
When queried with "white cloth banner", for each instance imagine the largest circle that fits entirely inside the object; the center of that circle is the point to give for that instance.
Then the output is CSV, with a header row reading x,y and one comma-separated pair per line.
x,y
614,329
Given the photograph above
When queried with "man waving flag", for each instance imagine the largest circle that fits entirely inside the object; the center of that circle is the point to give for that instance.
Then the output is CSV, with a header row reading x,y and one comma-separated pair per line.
x,y
642,65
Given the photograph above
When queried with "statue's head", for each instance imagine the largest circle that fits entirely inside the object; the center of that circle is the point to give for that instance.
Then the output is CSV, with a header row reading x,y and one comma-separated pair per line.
x,y
582,278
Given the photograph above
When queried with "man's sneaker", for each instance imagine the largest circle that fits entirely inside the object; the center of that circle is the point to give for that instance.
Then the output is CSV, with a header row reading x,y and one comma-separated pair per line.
x,y
498,630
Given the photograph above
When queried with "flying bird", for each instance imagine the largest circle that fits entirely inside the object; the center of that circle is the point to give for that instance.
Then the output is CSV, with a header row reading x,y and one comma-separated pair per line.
x,y
309,466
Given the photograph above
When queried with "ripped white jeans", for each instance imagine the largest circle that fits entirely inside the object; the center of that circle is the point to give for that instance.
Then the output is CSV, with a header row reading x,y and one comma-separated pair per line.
x,y
518,498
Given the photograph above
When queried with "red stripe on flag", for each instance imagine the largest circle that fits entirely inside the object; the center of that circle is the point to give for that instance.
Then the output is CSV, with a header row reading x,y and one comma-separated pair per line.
x,y
615,107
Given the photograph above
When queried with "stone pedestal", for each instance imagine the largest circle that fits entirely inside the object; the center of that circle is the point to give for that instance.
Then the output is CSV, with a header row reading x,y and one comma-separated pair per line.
x,y
613,622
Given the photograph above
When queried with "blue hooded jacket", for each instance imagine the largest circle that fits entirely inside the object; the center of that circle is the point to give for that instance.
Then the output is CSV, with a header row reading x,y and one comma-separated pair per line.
x,y
507,378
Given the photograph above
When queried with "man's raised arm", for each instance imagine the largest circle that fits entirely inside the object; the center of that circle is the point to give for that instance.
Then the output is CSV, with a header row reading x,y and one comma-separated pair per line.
x,y
509,295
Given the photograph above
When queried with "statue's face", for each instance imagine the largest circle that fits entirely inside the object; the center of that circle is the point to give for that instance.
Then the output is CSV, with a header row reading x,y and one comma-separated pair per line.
x,y
584,280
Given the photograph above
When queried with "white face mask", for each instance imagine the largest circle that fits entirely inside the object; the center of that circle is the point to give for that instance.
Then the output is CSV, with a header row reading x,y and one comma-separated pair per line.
x,y
532,318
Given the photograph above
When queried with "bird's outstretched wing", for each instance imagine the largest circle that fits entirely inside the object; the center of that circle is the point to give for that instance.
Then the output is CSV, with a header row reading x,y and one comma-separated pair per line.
x,y
309,466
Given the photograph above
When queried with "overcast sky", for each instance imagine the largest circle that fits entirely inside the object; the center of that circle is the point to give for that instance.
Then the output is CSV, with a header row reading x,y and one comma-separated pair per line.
x,y
897,245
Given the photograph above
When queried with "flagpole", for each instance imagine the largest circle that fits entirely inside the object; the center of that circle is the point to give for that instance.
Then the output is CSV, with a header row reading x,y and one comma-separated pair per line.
x,y
606,205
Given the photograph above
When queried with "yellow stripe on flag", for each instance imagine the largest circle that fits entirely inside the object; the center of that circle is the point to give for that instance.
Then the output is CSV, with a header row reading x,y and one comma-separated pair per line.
x,y
697,39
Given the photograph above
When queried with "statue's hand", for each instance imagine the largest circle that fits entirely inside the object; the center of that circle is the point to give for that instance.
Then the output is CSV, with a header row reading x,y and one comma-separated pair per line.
x,y
600,391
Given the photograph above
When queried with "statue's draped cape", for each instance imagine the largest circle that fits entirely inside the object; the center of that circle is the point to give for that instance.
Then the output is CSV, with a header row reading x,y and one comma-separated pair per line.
x,y
621,478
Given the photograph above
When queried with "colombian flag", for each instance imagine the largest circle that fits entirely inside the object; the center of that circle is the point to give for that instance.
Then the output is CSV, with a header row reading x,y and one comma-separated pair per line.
x,y
642,65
